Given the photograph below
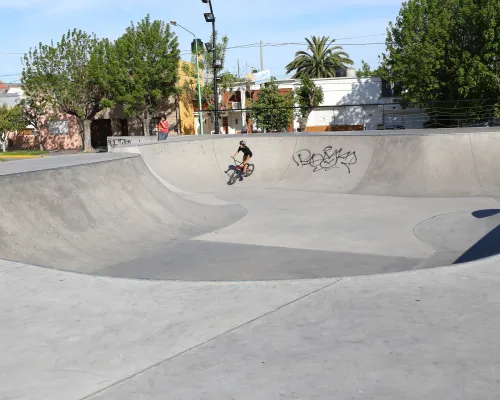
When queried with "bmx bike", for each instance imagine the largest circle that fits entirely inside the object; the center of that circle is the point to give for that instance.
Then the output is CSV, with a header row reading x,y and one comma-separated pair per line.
x,y
238,172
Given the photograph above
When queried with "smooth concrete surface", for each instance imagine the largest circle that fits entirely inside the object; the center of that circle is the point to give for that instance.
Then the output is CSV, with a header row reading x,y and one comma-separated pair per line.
x,y
316,277
56,162
64,336
431,335
423,334
87,217
443,164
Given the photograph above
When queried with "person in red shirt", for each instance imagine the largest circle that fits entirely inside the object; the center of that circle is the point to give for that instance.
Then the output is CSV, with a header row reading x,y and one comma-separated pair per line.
x,y
163,128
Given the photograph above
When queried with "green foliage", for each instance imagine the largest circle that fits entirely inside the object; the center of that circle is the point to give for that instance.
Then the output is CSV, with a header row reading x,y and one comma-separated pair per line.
x,y
308,96
59,75
206,63
273,110
11,120
446,50
139,70
26,152
189,90
322,61
35,111
365,71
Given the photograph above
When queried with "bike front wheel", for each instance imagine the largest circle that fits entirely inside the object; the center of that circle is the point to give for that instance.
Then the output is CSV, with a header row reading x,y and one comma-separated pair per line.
x,y
233,178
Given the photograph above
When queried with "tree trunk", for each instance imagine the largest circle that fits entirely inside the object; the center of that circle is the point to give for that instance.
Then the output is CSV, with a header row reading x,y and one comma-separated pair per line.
x,y
87,138
146,122
146,126
303,123
4,140
39,137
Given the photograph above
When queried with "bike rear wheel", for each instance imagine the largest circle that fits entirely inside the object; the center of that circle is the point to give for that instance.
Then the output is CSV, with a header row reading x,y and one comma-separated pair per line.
x,y
250,169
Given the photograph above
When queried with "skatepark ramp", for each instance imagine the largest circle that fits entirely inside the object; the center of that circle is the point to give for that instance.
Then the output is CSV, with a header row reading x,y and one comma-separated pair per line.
x,y
436,165
317,205
86,217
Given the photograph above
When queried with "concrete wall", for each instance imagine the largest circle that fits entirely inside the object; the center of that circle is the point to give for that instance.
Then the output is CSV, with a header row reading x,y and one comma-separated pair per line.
x,y
434,163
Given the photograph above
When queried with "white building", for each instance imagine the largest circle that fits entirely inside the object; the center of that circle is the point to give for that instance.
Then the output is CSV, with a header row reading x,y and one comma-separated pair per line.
x,y
350,103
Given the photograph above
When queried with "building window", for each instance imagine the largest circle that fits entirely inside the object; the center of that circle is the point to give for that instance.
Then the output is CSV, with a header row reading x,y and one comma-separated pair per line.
x,y
58,127
236,121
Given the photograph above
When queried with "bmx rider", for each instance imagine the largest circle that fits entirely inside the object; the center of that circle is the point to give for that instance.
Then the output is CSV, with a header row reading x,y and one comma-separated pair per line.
x,y
247,155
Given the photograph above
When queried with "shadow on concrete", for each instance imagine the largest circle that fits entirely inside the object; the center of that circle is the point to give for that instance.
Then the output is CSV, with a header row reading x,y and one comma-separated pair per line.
x,y
485,213
488,245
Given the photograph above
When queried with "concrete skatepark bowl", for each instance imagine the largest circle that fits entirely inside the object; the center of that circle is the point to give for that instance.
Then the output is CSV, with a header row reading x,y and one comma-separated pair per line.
x,y
317,206
346,267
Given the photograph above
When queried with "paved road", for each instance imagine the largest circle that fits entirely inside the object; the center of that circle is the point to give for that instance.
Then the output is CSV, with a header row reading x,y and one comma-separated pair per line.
x,y
335,271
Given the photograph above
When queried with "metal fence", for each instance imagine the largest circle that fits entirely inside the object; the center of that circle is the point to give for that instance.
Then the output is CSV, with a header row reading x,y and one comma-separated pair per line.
x,y
389,115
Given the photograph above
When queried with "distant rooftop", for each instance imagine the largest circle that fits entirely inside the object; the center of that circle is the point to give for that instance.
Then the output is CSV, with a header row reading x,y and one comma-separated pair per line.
x,y
9,99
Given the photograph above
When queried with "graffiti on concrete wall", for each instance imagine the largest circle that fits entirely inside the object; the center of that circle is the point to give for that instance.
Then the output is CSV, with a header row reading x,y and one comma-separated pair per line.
x,y
118,142
330,158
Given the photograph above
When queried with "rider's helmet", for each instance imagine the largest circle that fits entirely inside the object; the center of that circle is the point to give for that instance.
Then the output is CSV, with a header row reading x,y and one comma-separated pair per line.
x,y
242,143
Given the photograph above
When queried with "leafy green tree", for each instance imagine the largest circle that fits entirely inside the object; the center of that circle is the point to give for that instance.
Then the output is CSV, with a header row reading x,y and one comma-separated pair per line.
x,y
36,111
322,61
220,51
366,71
443,51
11,120
141,69
59,75
273,110
227,79
308,96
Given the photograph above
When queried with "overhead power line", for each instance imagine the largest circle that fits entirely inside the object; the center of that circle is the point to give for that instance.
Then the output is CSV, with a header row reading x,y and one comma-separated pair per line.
x,y
333,41
255,45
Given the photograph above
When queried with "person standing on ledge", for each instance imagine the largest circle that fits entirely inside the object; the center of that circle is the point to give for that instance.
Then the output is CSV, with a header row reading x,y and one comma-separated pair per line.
x,y
163,128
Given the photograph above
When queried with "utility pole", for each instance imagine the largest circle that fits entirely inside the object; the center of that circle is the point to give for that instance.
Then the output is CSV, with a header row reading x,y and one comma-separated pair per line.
x,y
216,95
261,56
262,66
238,68
196,41
210,17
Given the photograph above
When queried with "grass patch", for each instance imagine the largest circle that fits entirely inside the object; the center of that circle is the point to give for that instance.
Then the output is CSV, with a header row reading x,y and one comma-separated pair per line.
x,y
23,153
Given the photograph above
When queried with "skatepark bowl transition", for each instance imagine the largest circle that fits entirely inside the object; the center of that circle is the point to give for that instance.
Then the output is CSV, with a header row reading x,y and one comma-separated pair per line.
x,y
380,211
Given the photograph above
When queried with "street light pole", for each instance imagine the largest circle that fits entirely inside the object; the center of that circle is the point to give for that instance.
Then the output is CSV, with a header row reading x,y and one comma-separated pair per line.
x,y
211,18
197,71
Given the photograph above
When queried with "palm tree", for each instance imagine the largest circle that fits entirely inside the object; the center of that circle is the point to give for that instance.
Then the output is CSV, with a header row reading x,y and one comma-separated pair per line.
x,y
323,62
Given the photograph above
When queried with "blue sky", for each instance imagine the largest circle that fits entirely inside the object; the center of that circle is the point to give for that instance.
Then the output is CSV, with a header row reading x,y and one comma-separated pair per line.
x,y
25,23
